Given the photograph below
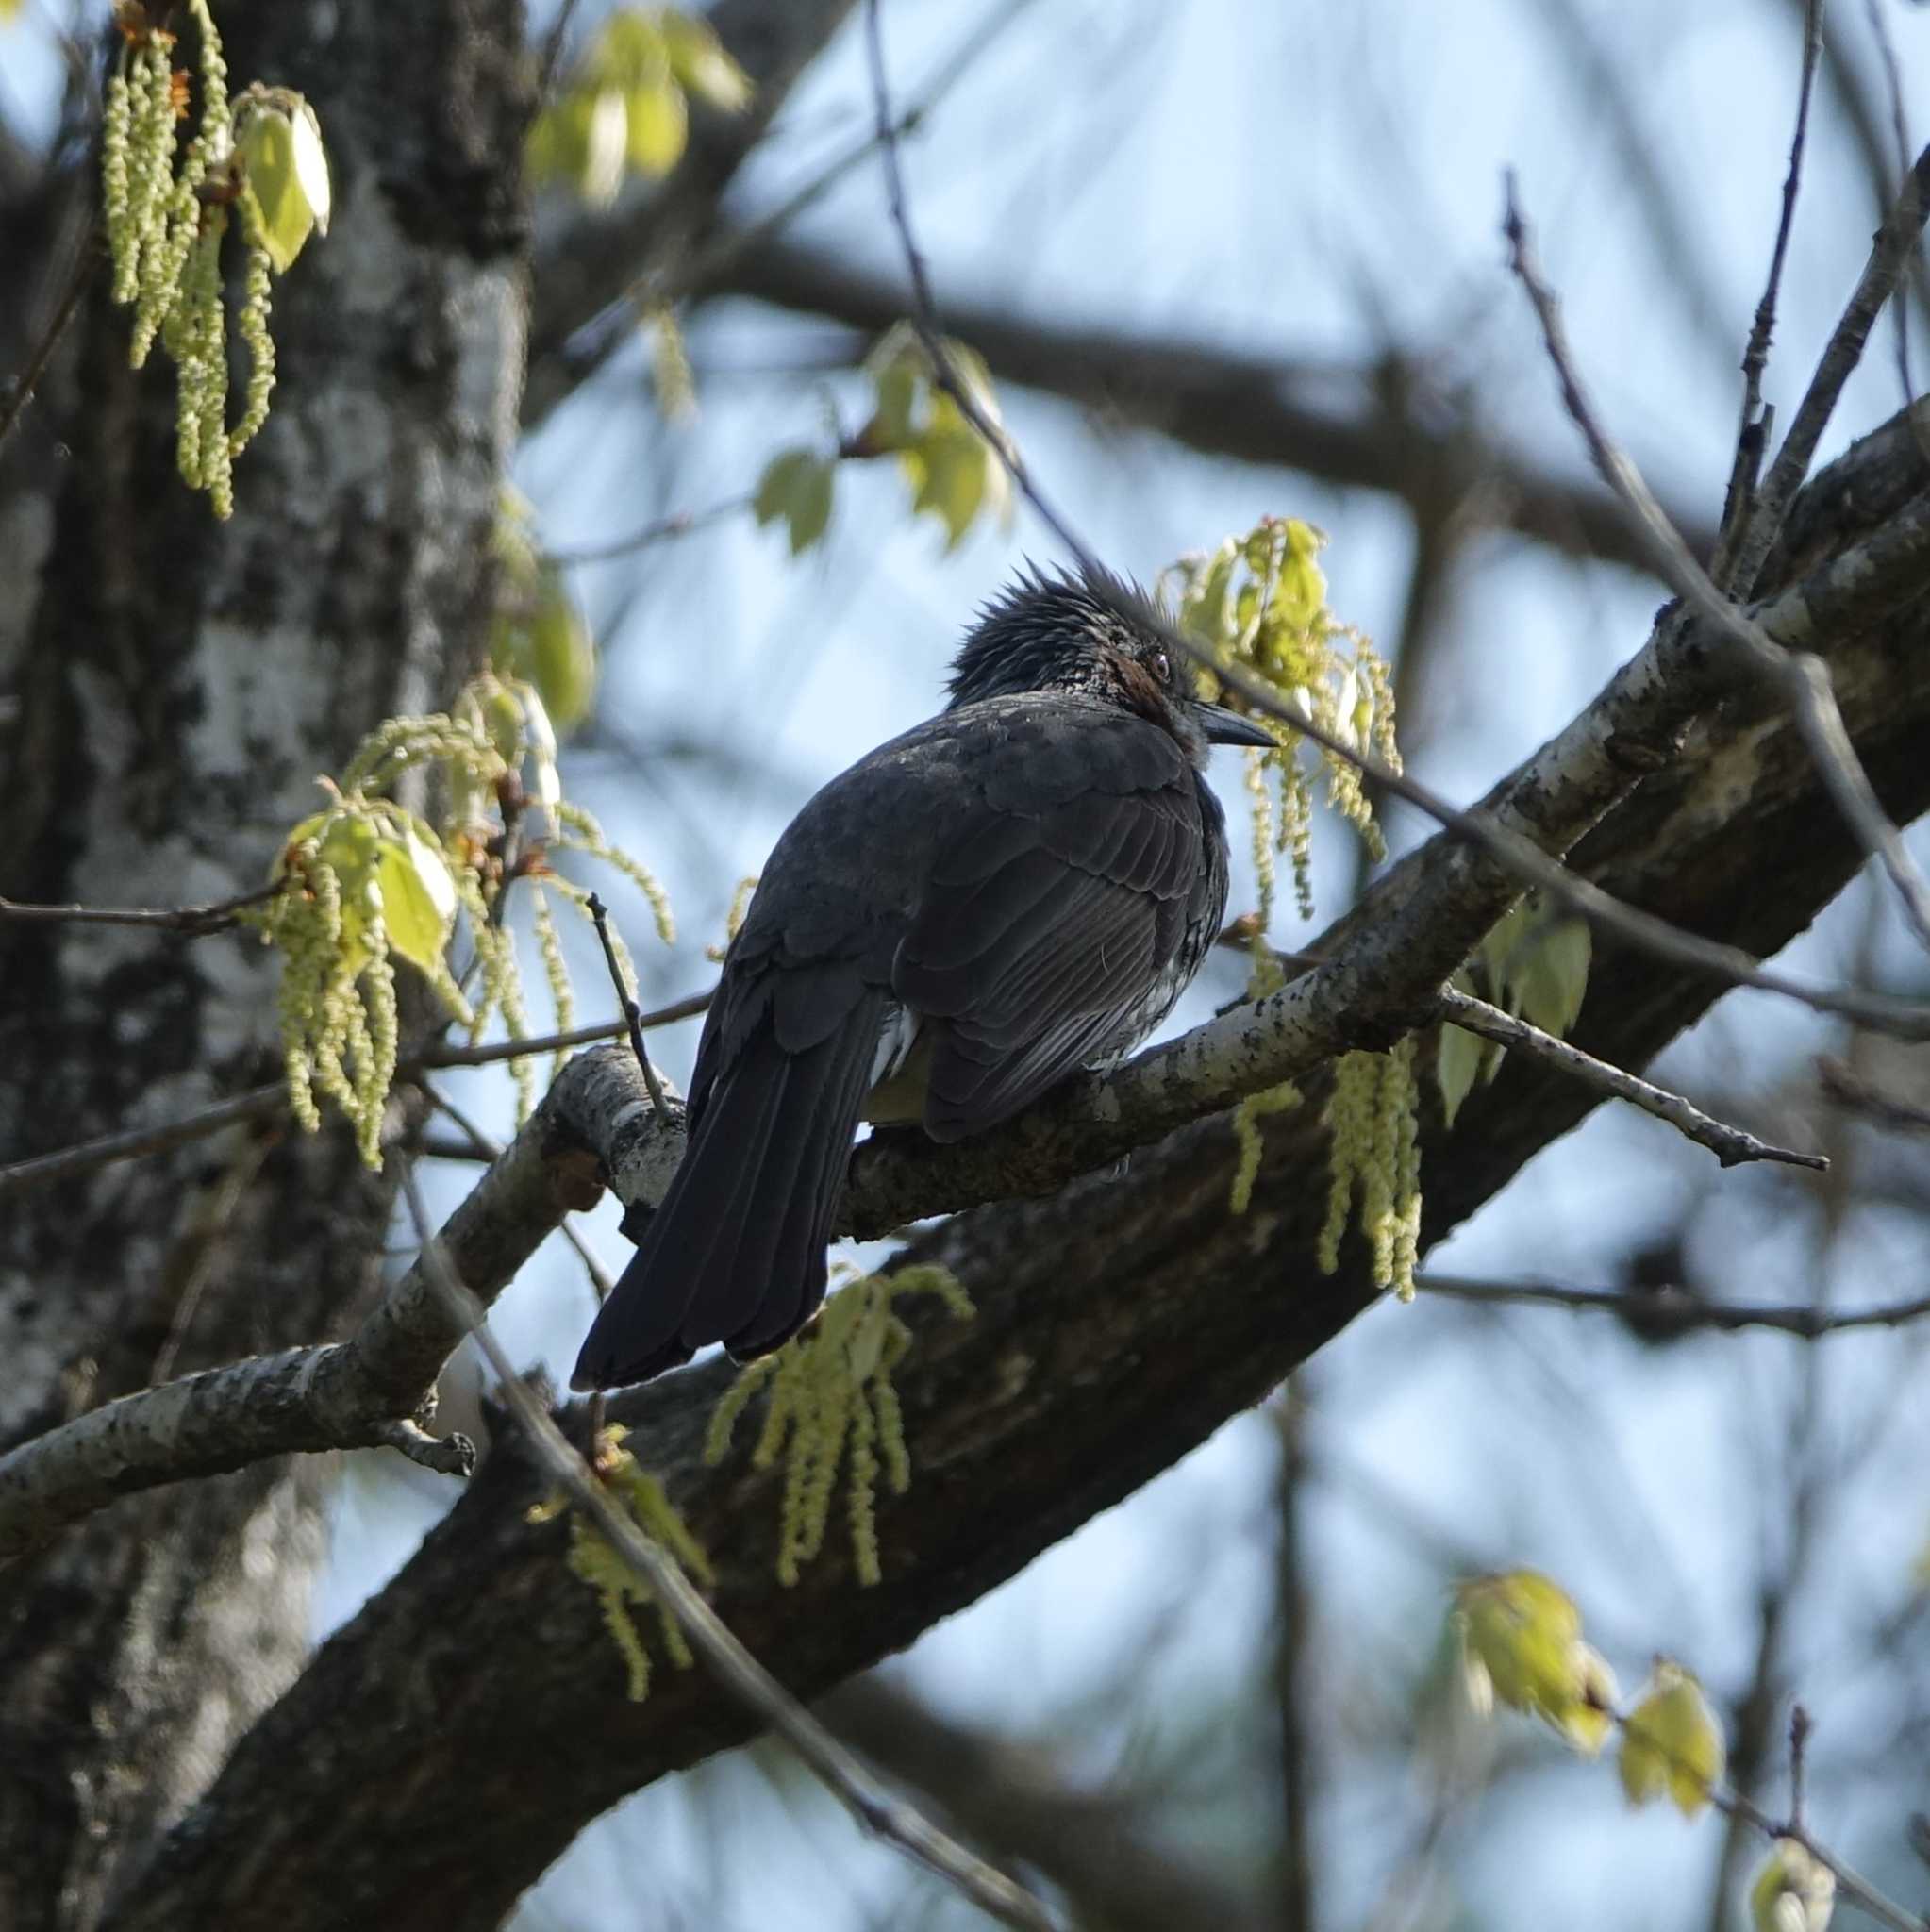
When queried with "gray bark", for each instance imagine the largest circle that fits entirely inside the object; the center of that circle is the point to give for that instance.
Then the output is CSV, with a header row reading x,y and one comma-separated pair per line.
x,y
182,684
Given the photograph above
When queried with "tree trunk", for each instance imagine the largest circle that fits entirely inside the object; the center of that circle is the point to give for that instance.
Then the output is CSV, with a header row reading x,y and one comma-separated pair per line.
x,y
182,684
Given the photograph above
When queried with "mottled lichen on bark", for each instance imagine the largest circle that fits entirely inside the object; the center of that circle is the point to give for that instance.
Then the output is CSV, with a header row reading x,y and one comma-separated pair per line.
x,y
181,685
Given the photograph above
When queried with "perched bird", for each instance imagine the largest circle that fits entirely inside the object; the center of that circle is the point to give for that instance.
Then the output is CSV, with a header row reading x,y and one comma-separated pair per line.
x,y
1017,888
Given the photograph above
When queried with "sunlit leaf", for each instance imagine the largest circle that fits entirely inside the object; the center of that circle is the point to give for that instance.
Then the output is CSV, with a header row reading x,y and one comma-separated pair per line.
x,y
1794,1892
659,124
562,653
539,739
418,896
285,170
948,470
629,49
1555,975
796,487
1671,1742
1523,1630
701,65
1456,1065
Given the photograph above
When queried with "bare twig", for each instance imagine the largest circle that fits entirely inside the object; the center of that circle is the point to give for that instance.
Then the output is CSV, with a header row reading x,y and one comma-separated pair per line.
x,y
736,1669
1801,676
1849,1088
1851,1884
1899,133
554,41
633,1018
1730,1145
487,1148
1799,1752
20,390
1895,241
679,523
256,1104
1676,1310
189,922
265,1103
377,1387
1755,421
436,1056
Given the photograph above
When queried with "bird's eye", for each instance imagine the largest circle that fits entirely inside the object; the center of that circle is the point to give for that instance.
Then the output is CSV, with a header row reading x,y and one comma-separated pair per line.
x,y
1162,667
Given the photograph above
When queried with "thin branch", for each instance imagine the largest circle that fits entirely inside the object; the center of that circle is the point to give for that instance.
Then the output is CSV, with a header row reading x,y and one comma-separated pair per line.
x,y
487,1148
1730,1145
1895,241
1803,678
189,922
1753,426
20,390
899,1823
379,1387
256,1104
1899,133
1672,1311
1848,1088
265,1103
436,1056
633,1018
721,252
554,41
1851,1884
681,523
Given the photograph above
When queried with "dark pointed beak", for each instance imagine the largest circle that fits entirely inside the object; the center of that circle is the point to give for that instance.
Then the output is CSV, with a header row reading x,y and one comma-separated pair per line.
x,y
1222,727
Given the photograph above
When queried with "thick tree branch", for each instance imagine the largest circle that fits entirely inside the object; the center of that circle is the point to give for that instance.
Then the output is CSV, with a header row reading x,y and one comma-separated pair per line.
x,y
1120,1322
739,1673
362,1391
1380,973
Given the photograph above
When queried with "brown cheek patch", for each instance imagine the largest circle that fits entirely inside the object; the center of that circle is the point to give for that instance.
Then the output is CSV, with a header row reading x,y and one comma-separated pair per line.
x,y
1138,688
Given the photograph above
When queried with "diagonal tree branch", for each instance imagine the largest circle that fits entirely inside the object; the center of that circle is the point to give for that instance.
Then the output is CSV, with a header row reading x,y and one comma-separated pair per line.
x,y
1121,1320
1378,973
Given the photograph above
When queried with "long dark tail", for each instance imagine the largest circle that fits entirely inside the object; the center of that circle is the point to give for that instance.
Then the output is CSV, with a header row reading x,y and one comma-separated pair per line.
x,y
735,1252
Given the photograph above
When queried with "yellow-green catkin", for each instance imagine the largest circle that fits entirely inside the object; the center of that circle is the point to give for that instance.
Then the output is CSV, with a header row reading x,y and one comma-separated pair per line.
x,y
366,859
598,1564
165,208
580,831
1371,1117
832,1407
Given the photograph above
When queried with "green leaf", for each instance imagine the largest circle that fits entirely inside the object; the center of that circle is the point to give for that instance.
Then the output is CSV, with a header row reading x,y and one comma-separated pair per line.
x,y
1672,1742
1554,976
539,742
1456,1067
561,657
659,124
948,470
701,64
891,425
1794,1892
286,171
628,51
580,142
418,896
796,487
1524,1634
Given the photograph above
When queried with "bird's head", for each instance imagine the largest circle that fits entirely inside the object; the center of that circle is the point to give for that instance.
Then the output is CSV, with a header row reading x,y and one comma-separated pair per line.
x,y
1096,634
